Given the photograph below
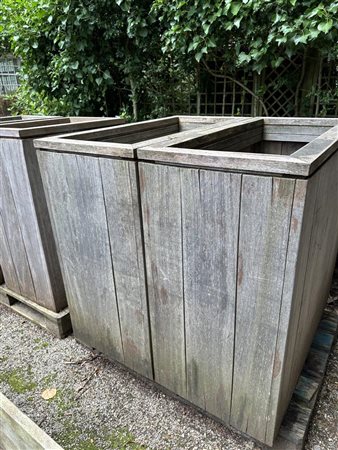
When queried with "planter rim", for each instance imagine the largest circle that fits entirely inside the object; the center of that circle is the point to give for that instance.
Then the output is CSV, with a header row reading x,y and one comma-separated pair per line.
x,y
85,143
46,126
300,164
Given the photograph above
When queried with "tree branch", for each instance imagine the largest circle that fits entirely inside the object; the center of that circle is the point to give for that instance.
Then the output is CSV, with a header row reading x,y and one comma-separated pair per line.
x,y
216,75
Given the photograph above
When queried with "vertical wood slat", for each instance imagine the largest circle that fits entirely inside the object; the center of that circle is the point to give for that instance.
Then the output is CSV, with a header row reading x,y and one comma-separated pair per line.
x,y
163,248
190,245
263,239
210,213
104,277
13,156
312,282
7,267
15,265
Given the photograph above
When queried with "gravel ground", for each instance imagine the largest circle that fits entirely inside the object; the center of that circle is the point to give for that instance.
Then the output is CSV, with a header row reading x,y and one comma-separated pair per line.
x,y
99,405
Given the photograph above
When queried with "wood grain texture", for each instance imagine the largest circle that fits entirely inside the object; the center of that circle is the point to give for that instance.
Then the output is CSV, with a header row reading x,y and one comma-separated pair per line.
x,y
18,432
263,239
14,262
98,231
317,254
40,127
119,182
15,154
163,248
231,161
7,266
80,226
210,215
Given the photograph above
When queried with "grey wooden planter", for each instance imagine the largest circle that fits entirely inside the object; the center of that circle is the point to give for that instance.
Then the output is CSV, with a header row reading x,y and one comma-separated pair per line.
x,y
241,236
200,254
99,234
28,258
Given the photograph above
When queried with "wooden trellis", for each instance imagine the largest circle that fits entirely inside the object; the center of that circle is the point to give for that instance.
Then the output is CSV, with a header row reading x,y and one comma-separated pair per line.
x,y
274,92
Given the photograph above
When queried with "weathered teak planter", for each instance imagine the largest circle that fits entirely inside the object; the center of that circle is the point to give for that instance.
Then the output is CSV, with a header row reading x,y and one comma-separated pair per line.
x,y
19,432
206,261
98,231
28,258
240,242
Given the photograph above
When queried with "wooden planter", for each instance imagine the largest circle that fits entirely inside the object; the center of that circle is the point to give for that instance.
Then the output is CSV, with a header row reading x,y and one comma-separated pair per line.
x,y
241,236
201,254
28,258
99,234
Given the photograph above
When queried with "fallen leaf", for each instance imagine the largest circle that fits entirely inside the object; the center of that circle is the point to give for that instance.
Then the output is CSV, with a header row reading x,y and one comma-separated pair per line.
x,y
47,394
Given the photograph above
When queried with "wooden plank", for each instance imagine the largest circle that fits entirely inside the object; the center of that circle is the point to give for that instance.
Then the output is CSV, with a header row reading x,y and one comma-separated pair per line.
x,y
244,162
14,154
270,148
80,226
10,118
58,324
45,228
282,137
320,149
295,270
279,397
65,145
301,121
288,148
39,129
119,181
321,260
240,141
137,137
121,130
265,225
210,214
192,122
306,130
18,432
195,131
208,136
163,249
15,264
22,124
7,266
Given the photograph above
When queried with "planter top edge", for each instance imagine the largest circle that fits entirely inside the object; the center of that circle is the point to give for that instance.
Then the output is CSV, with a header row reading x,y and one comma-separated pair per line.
x,y
230,161
83,142
38,127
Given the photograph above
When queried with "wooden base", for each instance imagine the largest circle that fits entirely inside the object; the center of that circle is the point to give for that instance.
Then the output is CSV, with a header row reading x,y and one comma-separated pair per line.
x,y
58,324
18,432
293,432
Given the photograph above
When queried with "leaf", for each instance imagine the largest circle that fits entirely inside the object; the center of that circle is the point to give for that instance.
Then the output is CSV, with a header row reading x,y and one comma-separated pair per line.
x,y
325,26
235,7
48,394
237,22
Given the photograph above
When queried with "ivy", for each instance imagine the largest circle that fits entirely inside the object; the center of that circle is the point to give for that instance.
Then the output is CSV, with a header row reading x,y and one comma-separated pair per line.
x,y
261,33
89,57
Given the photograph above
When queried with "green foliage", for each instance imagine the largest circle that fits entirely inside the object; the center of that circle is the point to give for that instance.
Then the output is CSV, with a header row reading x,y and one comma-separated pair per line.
x,y
258,33
97,57
77,55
